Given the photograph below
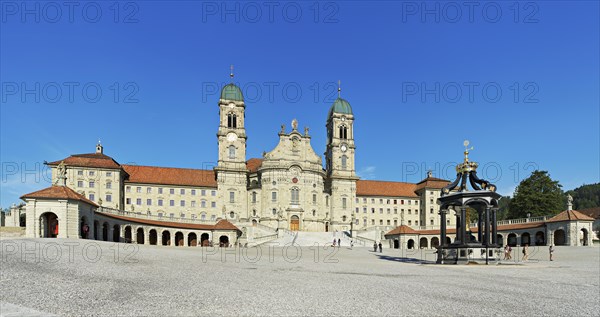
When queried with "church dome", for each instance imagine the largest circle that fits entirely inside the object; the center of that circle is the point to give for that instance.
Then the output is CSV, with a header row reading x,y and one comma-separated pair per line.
x,y
340,106
232,92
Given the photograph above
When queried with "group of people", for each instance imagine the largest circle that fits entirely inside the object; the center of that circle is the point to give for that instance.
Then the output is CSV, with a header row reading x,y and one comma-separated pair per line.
x,y
375,245
508,251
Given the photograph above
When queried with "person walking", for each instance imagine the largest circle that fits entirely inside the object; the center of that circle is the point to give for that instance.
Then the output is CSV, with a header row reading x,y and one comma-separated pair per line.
x,y
506,252
351,244
551,251
374,246
334,242
525,252
509,253
339,242
380,247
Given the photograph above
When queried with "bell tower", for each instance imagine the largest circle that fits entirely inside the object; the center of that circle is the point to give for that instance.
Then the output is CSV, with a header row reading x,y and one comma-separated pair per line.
x,y
339,157
231,166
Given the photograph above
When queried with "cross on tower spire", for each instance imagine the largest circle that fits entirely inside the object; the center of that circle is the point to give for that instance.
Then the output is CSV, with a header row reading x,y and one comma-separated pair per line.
x,y
339,88
231,72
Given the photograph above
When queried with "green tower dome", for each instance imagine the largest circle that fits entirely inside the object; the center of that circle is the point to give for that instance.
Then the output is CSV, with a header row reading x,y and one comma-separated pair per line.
x,y
340,106
232,92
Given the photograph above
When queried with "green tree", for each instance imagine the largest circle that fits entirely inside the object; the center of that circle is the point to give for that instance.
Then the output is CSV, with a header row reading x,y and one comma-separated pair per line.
x,y
586,196
503,207
538,195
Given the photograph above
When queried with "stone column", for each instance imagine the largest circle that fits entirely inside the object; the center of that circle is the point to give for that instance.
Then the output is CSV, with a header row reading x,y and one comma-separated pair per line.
x,y
463,225
487,227
146,237
443,228
480,226
158,237
494,226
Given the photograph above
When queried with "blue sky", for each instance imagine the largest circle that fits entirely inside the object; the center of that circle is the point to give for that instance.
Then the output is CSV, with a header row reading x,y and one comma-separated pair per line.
x,y
519,80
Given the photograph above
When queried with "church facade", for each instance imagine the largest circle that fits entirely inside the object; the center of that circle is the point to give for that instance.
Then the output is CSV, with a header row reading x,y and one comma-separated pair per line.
x,y
290,187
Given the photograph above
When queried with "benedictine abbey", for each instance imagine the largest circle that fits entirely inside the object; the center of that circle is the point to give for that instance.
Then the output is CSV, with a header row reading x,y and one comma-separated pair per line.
x,y
241,200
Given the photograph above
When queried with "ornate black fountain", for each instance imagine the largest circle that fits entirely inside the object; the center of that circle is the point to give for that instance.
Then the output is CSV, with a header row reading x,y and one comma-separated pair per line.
x,y
482,198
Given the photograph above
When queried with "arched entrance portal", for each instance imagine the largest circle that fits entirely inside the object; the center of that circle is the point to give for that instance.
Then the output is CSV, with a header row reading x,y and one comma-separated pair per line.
x,y
559,237
411,244
105,231
192,239
224,241
525,239
254,222
152,237
204,240
500,240
327,227
396,244
128,234
512,240
166,238
179,239
435,242
140,236
116,233
583,236
540,238
423,243
294,223
49,225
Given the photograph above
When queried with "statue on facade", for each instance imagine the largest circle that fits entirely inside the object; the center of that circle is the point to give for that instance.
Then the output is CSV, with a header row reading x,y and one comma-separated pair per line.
x,y
305,131
61,174
295,124
282,128
569,198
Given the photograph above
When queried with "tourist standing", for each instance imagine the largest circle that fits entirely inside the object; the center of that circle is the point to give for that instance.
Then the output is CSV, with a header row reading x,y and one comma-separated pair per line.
x,y
334,242
380,247
374,246
506,252
351,244
509,252
525,252
551,250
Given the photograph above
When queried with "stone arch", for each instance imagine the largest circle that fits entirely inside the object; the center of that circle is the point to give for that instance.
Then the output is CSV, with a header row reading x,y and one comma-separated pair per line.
x,y
192,239
500,240
396,244
205,239
583,237
139,236
116,233
105,227
526,238
560,237
423,243
511,240
152,237
448,240
179,239
540,238
84,228
254,222
49,225
294,223
435,242
224,241
410,244
128,234
166,237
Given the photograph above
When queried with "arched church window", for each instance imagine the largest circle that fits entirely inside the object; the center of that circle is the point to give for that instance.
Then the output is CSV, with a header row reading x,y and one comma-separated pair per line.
x,y
295,196
231,120
344,162
231,152
343,132
232,215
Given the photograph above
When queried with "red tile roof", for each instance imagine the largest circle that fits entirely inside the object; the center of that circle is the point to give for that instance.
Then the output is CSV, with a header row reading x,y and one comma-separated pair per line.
x,y
253,164
385,188
591,212
569,215
221,225
432,182
59,192
170,176
97,160
403,229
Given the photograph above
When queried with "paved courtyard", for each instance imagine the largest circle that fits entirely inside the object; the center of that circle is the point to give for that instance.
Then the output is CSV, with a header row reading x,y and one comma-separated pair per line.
x,y
79,277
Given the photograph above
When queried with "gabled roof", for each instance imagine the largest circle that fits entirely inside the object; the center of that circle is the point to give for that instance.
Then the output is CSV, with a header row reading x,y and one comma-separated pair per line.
x,y
385,188
403,229
170,176
432,182
253,164
570,215
225,225
591,212
58,192
97,160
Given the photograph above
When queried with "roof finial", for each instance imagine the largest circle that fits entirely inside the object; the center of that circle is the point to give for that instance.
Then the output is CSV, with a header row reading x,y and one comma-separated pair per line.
x,y
231,72
467,149
339,88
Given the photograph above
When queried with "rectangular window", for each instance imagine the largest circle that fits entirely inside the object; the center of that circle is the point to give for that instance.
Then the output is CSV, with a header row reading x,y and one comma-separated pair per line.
x,y
395,211
92,197
92,184
108,185
381,222
231,197
295,196
380,201
372,222
138,201
203,203
203,192
149,190
79,183
128,189
357,200
160,190
193,203
80,173
108,174
357,210
364,210
149,202
365,222
182,191
160,202
388,202
388,222
213,204
182,203
372,200
91,173
409,223
128,201
138,190
171,203
431,211
273,196
402,202
314,198
372,210
431,222
388,211
327,201
108,198
416,222
172,191
193,192
380,210
344,203
213,193
395,201
395,222
364,200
